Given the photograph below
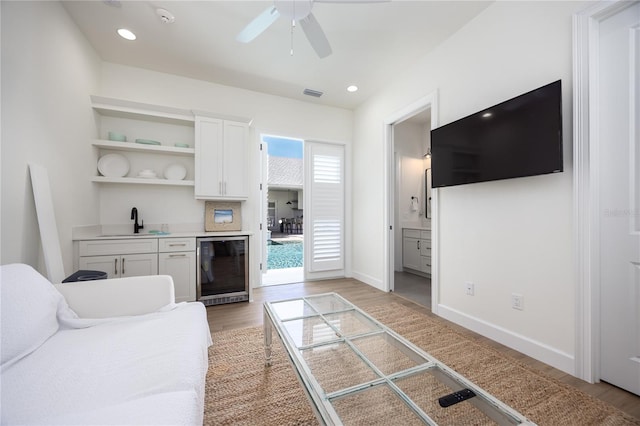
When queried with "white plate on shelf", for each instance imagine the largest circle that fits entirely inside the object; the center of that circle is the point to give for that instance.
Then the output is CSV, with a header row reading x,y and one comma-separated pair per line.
x,y
113,165
175,172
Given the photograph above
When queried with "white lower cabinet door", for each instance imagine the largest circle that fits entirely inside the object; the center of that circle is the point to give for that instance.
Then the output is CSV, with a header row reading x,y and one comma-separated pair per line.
x,y
108,264
411,253
182,268
129,265
135,265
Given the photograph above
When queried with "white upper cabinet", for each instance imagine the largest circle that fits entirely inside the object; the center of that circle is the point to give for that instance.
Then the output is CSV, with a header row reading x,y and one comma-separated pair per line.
x,y
221,159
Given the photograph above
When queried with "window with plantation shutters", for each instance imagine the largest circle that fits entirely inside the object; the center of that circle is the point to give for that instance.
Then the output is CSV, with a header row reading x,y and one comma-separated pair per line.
x,y
325,217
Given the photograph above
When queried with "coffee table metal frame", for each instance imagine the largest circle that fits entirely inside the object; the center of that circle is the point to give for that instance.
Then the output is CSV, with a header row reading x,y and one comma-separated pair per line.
x,y
321,402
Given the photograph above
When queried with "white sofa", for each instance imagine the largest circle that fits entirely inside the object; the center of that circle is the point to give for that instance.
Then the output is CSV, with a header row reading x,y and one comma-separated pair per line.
x,y
116,351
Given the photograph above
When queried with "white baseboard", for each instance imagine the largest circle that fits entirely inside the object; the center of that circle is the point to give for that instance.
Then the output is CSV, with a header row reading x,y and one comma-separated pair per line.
x,y
373,282
537,350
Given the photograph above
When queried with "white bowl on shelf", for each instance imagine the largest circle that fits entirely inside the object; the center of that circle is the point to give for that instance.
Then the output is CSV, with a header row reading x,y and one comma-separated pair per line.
x,y
113,165
175,172
147,174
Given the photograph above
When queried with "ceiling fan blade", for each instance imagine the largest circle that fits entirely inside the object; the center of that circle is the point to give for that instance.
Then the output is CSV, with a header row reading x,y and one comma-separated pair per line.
x,y
315,35
258,25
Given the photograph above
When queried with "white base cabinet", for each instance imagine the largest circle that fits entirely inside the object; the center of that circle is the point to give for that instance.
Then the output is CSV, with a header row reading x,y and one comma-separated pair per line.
x,y
416,251
130,265
120,258
144,256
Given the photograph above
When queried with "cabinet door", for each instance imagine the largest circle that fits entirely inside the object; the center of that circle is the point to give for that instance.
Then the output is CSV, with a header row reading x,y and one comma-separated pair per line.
x,y
235,182
182,268
208,157
135,265
411,253
108,264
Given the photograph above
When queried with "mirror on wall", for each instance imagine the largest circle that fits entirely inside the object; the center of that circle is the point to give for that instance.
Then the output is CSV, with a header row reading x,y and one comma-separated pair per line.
x,y
427,195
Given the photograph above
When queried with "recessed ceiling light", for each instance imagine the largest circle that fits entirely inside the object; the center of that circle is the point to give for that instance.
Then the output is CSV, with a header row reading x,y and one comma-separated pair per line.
x,y
352,88
487,114
126,34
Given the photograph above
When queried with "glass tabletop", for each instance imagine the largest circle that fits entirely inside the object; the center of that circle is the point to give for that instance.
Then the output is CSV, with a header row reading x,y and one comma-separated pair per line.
x,y
356,370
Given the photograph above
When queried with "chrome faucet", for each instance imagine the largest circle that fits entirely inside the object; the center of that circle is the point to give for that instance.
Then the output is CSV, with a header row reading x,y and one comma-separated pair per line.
x,y
134,216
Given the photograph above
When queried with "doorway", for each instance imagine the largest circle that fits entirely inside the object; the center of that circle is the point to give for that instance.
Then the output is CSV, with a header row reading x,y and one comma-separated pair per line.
x,y
284,240
411,265
412,273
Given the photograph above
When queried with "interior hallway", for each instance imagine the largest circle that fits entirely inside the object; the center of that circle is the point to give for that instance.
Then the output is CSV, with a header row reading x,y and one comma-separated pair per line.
x,y
413,287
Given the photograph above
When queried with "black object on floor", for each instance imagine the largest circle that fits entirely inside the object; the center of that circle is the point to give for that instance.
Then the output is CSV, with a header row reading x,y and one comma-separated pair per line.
x,y
83,275
455,397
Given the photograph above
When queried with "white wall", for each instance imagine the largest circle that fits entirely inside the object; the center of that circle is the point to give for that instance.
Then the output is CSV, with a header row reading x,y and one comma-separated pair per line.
x,y
270,114
506,236
48,71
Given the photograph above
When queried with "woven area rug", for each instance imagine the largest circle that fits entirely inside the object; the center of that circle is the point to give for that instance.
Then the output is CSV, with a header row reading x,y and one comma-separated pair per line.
x,y
241,391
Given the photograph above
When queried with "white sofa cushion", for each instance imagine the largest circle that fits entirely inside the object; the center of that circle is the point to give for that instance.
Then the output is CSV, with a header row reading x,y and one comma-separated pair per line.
x,y
130,362
28,311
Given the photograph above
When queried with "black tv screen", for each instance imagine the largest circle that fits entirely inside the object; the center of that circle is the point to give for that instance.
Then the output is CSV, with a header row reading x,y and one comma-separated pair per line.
x,y
516,138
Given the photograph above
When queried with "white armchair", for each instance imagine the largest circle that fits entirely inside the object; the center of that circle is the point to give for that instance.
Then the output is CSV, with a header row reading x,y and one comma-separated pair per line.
x,y
118,296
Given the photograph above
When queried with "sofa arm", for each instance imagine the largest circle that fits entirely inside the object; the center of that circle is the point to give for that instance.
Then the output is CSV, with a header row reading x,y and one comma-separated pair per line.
x,y
118,296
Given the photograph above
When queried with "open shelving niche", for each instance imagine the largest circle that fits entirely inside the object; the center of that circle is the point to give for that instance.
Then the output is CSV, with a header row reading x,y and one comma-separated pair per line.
x,y
145,121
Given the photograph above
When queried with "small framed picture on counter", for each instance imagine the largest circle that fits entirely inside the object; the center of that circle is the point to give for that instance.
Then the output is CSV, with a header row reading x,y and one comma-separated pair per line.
x,y
222,216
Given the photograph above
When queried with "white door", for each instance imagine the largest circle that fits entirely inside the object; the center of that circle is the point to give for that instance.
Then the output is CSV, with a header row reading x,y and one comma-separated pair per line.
x,y
619,193
136,265
324,218
182,268
108,264
235,151
265,207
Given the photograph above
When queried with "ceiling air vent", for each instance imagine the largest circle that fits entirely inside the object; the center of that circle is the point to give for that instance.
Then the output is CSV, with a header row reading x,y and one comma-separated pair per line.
x,y
311,92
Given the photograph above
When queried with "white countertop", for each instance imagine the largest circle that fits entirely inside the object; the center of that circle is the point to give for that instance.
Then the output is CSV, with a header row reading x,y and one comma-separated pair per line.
x,y
116,232
418,228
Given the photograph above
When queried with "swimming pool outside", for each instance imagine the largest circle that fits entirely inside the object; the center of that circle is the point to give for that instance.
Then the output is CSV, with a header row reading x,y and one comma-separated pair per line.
x,y
284,254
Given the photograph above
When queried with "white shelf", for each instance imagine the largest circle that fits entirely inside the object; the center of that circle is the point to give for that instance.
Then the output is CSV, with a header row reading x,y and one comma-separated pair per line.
x,y
138,147
143,181
137,110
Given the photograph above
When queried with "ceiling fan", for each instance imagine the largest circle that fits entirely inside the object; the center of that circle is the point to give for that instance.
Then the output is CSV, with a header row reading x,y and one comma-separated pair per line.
x,y
295,11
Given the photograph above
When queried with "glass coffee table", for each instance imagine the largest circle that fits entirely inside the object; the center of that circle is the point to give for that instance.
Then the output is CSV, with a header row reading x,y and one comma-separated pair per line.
x,y
356,370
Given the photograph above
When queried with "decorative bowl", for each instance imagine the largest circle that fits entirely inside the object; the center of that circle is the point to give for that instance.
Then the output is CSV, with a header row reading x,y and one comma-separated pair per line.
x,y
148,142
147,173
175,172
118,137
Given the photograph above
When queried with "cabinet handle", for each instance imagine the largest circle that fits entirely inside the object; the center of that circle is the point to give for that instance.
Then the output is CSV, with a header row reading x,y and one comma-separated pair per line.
x,y
225,188
220,187
123,266
418,244
177,244
177,255
115,266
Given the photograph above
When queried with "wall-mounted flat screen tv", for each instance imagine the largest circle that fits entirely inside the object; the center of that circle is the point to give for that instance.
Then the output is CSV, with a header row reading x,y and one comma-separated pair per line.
x,y
516,138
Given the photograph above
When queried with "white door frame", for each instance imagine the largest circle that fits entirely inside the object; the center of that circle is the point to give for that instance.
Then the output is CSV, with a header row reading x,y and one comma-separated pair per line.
x,y
430,100
586,180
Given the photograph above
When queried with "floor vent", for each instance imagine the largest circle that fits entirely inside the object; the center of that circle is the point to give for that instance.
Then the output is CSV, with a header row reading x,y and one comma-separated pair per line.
x,y
219,300
311,92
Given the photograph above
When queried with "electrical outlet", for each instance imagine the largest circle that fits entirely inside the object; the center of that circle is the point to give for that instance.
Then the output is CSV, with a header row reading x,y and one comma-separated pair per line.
x,y
469,288
517,301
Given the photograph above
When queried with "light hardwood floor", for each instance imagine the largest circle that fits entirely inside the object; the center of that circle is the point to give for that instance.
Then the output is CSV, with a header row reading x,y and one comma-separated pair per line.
x,y
241,315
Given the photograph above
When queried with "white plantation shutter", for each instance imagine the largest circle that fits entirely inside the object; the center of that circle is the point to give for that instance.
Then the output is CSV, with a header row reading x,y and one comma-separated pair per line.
x,y
325,216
